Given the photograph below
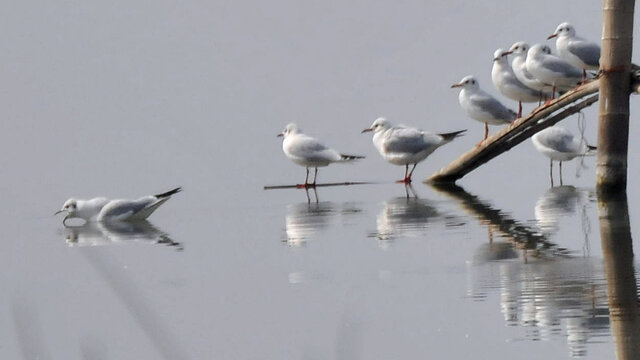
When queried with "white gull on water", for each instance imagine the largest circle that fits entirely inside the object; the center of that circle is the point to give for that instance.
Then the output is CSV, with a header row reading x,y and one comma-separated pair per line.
x,y
481,106
505,80
401,145
309,152
103,209
560,145
577,51
552,69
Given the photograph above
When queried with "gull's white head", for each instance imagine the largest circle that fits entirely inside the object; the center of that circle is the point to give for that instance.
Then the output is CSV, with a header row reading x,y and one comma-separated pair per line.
x,y
500,55
70,207
564,30
519,49
381,124
538,50
467,83
290,129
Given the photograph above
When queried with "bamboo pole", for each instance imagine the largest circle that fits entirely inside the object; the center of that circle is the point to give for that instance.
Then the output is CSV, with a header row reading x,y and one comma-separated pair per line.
x,y
520,130
617,249
613,118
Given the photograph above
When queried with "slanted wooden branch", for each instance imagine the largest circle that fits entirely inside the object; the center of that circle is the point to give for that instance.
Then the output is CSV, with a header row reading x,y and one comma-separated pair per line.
x,y
520,130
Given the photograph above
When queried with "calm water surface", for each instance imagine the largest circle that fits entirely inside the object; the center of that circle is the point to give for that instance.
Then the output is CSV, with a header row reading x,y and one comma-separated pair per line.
x,y
380,275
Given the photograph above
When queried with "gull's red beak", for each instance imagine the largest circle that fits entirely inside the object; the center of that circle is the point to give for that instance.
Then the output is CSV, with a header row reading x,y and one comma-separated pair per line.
x,y
552,36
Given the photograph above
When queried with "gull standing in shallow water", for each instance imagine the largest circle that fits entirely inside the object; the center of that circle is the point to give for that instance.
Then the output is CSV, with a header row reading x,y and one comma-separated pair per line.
x,y
309,152
481,106
551,69
577,51
505,80
101,209
402,145
559,144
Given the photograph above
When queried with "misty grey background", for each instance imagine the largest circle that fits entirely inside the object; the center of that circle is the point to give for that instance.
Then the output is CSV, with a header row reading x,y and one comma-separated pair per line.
x,y
128,98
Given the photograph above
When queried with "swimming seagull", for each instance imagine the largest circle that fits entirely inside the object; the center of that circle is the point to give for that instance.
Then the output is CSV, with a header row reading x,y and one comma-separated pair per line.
x,y
481,106
519,51
101,209
551,69
579,52
402,145
309,152
505,80
559,144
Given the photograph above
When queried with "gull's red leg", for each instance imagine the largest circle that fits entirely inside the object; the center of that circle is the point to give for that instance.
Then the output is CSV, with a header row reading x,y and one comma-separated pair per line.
x,y
408,178
306,181
519,109
406,171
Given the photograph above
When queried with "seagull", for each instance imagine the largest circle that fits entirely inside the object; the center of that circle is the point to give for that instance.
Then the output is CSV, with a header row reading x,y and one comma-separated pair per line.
x,y
579,52
551,69
505,80
402,145
102,209
519,52
559,144
481,106
309,152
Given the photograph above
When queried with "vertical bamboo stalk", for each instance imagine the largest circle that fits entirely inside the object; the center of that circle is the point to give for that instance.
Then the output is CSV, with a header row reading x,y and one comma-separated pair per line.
x,y
613,119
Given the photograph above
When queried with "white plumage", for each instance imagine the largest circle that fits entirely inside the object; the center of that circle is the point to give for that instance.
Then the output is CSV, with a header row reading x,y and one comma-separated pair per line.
x,y
401,145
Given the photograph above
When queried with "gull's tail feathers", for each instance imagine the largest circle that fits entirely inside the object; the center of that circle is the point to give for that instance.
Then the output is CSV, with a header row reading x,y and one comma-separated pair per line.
x,y
591,150
345,158
168,193
452,135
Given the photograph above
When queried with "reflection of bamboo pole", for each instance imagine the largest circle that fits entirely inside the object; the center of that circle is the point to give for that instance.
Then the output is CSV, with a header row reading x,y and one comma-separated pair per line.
x,y
613,119
621,281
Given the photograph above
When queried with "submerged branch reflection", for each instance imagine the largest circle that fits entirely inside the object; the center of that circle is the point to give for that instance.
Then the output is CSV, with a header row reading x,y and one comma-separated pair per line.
x,y
515,232
552,295
117,232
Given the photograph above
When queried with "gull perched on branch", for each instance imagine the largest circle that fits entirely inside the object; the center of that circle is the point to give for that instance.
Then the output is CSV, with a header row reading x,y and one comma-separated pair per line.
x,y
551,69
401,145
579,52
309,152
505,80
481,106
519,51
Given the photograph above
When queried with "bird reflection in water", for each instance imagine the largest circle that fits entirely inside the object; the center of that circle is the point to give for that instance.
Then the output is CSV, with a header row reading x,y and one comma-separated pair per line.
x,y
563,298
117,232
559,202
551,294
303,220
408,216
